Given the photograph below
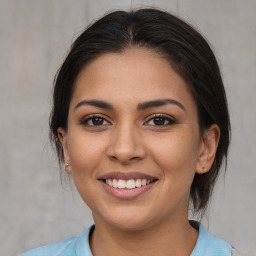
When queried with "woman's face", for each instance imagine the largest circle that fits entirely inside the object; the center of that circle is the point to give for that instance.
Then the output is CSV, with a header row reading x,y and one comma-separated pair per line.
x,y
133,140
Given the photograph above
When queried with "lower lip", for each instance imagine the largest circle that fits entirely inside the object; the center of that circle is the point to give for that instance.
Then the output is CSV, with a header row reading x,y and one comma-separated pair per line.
x,y
127,193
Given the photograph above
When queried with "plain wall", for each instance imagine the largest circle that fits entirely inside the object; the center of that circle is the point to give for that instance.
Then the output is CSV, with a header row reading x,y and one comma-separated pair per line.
x,y
35,36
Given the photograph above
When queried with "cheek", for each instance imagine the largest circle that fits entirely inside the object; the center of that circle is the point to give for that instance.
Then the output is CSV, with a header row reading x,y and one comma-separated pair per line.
x,y
85,152
177,153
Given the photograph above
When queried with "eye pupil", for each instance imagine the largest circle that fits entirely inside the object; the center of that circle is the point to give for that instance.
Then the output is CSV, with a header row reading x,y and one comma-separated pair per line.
x,y
159,120
97,121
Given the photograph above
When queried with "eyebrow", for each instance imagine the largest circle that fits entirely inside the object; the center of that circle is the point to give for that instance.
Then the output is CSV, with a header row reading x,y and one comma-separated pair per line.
x,y
141,106
158,103
95,103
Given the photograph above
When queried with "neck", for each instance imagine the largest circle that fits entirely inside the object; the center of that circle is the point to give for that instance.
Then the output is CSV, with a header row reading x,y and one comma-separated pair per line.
x,y
177,238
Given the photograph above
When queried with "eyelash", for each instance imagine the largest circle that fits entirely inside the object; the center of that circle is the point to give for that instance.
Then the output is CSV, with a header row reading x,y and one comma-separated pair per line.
x,y
170,120
89,118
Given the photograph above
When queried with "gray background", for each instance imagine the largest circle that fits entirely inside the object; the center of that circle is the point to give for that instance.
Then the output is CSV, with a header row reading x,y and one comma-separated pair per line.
x,y
35,36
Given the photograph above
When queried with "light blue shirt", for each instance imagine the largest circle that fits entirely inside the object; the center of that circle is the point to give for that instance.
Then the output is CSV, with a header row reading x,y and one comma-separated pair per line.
x,y
206,245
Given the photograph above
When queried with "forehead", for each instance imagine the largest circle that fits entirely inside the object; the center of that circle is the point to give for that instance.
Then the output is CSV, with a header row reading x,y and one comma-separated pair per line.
x,y
137,74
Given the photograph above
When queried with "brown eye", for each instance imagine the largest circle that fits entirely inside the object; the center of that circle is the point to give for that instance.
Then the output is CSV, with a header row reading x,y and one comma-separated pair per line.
x,y
95,120
160,120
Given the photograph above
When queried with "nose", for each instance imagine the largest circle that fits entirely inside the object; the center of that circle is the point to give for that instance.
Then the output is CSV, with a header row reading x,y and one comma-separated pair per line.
x,y
126,145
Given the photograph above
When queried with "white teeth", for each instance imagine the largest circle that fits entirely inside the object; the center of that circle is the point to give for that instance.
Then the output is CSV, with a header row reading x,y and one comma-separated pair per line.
x,y
121,184
110,182
115,184
138,183
129,184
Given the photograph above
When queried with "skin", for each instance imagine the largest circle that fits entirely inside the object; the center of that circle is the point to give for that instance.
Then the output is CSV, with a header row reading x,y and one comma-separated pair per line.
x,y
129,140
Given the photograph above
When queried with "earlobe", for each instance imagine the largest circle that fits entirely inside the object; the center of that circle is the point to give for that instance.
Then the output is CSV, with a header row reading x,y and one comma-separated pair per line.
x,y
67,168
63,139
208,148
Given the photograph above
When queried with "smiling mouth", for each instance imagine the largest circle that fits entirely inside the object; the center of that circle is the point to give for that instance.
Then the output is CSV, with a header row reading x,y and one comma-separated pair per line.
x,y
128,184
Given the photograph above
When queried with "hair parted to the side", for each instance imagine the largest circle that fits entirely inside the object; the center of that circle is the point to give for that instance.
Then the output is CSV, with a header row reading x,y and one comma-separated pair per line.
x,y
187,52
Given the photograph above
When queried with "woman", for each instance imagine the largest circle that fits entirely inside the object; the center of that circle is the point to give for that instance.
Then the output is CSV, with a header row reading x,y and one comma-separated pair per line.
x,y
140,121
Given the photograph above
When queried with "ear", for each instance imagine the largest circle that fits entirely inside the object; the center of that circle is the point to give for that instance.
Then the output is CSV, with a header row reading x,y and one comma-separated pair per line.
x,y
62,135
207,149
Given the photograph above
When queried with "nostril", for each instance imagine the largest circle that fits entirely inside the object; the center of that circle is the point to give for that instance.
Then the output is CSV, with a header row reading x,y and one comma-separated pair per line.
x,y
113,157
125,146
124,159
135,158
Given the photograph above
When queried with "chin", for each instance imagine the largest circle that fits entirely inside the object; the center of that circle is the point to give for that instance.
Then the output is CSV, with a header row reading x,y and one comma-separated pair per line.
x,y
128,220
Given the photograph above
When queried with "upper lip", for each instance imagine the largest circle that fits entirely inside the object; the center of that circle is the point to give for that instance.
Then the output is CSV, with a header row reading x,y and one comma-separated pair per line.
x,y
126,176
